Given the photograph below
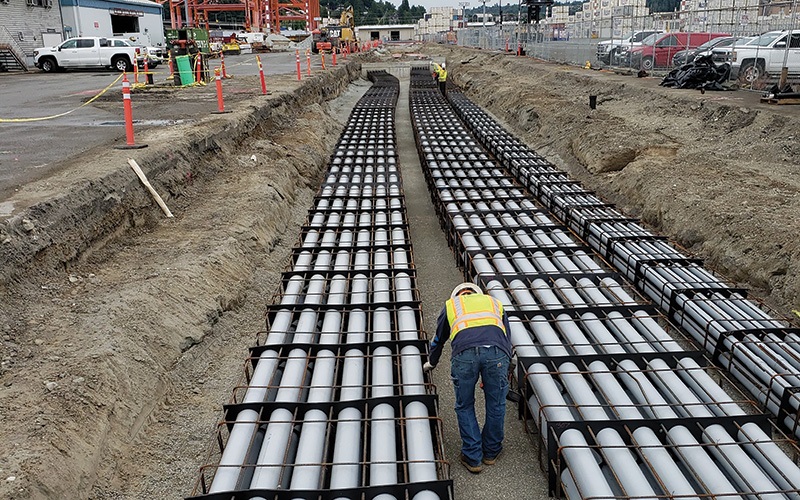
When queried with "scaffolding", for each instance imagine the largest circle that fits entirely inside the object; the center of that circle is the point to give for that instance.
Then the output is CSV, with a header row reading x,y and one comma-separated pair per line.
x,y
259,15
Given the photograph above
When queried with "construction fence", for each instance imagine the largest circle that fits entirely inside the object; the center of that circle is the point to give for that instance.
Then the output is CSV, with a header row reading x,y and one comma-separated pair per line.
x,y
576,43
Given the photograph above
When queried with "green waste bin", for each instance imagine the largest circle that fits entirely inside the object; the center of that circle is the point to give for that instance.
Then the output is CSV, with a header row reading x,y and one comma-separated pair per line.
x,y
185,74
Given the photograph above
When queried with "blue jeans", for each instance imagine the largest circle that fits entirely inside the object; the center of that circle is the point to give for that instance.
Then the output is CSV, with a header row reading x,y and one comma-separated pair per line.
x,y
491,363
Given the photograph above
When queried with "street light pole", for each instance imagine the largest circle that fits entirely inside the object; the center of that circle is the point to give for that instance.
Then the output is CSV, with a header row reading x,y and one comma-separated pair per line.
x,y
463,6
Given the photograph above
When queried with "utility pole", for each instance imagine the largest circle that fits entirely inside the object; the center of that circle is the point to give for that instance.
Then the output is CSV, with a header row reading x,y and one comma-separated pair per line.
x,y
463,6
789,35
501,15
484,16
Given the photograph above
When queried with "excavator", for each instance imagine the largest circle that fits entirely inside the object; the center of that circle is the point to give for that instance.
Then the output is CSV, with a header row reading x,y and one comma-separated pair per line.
x,y
342,35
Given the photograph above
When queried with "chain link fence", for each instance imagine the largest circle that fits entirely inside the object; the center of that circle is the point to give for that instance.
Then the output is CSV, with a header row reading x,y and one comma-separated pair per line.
x,y
621,42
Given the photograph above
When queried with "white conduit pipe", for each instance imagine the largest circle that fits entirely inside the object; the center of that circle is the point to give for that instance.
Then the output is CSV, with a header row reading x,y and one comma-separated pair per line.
x,y
312,436
345,471
243,431
758,443
577,454
268,470
612,447
687,447
668,473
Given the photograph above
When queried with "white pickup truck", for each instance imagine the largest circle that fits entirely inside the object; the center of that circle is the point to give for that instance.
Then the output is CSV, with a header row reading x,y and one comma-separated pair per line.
x,y
764,56
86,52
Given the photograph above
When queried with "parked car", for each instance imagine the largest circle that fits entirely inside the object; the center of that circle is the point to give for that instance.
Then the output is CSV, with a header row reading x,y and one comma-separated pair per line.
x,y
85,52
608,49
689,55
657,50
764,55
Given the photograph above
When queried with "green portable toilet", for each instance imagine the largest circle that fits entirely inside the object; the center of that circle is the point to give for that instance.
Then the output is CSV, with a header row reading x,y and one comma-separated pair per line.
x,y
185,75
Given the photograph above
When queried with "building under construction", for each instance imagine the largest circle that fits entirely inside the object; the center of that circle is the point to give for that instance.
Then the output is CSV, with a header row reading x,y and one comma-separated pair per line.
x,y
259,15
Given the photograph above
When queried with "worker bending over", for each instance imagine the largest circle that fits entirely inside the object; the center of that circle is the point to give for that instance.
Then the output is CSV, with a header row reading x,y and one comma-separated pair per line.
x,y
440,74
478,328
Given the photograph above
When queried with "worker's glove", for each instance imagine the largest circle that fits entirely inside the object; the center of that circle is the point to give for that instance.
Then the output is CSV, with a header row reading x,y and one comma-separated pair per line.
x,y
427,367
512,365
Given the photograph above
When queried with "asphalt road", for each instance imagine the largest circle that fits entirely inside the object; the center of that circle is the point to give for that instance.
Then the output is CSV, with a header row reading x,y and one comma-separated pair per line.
x,y
32,150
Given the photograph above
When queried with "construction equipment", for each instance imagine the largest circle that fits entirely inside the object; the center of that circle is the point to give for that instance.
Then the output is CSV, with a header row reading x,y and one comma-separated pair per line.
x,y
342,35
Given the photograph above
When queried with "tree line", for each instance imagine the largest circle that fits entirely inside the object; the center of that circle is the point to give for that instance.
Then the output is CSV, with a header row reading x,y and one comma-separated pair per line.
x,y
368,12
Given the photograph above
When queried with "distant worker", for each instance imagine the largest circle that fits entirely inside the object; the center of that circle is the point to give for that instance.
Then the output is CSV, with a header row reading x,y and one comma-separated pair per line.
x,y
440,76
478,328
435,72
443,80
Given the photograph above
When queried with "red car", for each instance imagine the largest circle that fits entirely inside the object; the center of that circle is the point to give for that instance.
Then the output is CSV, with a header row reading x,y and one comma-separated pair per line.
x,y
657,50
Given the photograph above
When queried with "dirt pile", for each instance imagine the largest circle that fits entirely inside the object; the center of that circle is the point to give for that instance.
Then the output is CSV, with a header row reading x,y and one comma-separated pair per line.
x,y
716,172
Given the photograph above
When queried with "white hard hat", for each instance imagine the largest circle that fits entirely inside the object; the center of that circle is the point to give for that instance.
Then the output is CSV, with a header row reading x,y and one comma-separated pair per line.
x,y
444,65
465,286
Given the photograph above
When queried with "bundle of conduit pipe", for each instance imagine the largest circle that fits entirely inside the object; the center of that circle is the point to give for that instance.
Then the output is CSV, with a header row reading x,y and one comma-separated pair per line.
x,y
761,352
334,403
622,408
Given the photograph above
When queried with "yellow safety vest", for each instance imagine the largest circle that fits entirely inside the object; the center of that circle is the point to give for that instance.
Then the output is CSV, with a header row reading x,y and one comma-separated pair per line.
x,y
442,75
467,311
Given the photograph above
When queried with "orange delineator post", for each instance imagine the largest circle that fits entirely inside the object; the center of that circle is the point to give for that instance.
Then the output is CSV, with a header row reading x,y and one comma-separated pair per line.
x,y
146,70
220,99
261,75
126,104
199,68
308,62
297,57
334,56
322,56
171,67
222,61
519,48
136,72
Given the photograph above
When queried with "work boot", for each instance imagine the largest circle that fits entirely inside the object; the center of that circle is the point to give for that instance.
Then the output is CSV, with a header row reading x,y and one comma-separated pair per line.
x,y
491,460
475,469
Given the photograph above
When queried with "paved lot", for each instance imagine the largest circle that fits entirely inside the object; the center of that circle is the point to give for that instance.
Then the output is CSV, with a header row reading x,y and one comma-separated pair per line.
x,y
34,149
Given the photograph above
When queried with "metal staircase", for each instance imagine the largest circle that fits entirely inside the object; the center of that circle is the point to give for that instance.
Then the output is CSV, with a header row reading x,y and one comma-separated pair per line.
x,y
12,57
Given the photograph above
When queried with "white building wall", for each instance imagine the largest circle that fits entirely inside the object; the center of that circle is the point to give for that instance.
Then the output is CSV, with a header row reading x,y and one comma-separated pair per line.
x,y
406,32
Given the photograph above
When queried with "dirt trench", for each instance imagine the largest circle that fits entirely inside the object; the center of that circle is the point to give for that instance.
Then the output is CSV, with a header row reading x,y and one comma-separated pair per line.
x,y
123,333
715,172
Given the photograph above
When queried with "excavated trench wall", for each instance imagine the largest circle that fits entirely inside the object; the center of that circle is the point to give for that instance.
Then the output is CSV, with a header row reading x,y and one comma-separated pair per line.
x,y
715,172
73,222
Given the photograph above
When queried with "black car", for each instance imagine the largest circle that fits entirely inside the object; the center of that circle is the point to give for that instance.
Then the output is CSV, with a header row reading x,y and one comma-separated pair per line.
x,y
687,56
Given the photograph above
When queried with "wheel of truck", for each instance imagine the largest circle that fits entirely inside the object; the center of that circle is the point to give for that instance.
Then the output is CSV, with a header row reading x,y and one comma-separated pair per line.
x,y
648,63
612,54
121,64
48,65
751,72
